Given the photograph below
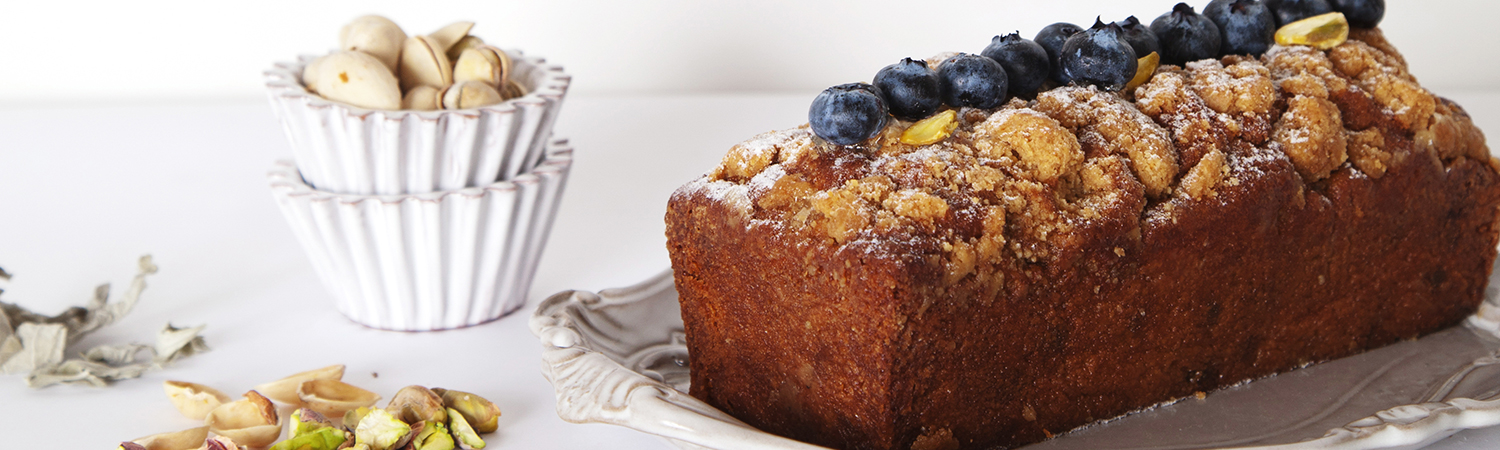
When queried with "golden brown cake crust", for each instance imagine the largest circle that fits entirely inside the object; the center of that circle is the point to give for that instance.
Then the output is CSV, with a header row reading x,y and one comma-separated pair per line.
x,y
1069,259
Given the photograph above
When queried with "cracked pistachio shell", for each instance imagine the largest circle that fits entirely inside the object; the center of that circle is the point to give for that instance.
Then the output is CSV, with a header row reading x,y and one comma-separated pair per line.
x,y
285,389
416,403
433,436
357,79
192,399
423,98
189,439
470,94
463,433
480,413
466,43
321,439
446,37
484,63
334,397
375,35
424,62
250,421
307,421
220,443
382,431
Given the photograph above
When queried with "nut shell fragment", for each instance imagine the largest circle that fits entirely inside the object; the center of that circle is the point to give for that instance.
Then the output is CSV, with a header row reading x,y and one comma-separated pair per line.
x,y
192,399
220,443
470,94
449,35
189,439
285,389
251,421
414,404
424,61
479,412
333,397
375,35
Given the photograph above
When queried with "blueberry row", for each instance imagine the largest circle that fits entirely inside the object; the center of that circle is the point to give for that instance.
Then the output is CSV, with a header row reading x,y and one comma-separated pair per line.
x,y
1105,55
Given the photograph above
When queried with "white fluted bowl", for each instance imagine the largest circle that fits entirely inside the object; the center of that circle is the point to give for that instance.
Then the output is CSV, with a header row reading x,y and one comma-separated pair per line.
x,y
350,150
433,261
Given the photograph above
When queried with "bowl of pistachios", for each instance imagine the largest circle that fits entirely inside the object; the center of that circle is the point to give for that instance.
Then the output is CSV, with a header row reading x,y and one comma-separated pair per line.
x,y
390,113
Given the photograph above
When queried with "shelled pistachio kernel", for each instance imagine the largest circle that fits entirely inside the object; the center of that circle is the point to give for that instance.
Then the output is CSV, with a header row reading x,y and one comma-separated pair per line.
x,y
481,413
483,63
355,78
931,129
375,35
470,94
423,98
1145,68
1321,32
424,61
466,43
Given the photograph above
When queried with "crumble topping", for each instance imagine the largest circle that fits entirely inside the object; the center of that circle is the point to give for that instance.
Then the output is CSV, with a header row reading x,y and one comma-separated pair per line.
x,y
1012,184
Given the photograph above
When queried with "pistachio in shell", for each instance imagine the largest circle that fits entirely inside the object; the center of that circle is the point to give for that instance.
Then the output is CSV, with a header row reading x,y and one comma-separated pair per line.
x,y
381,430
424,62
466,43
470,94
192,399
322,439
285,389
416,403
357,79
423,98
250,421
450,34
512,90
483,63
375,35
480,413
464,434
189,439
334,397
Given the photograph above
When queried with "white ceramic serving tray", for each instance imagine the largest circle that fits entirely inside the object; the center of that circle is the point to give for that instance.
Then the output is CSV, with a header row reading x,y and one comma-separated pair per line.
x,y
423,262
349,150
619,357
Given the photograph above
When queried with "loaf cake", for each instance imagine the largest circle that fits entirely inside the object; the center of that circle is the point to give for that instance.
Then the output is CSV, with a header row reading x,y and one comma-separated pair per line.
x,y
1066,259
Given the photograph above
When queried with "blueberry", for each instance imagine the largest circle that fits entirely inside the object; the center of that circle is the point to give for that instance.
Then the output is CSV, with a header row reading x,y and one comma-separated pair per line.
x,y
1139,36
1099,56
1051,38
1025,62
972,80
1248,27
1361,13
912,90
1186,35
1288,11
848,114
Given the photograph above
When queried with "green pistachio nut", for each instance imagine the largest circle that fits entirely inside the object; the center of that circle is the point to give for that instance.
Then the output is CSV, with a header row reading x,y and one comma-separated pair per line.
x,y
352,418
416,404
462,432
481,414
326,438
306,421
382,431
434,436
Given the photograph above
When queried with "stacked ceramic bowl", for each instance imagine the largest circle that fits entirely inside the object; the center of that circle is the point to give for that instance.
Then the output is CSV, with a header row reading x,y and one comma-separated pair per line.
x,y
423,220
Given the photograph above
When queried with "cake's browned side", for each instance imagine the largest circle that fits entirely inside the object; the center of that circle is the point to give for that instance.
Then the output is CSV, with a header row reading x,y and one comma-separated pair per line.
x,y
1248,218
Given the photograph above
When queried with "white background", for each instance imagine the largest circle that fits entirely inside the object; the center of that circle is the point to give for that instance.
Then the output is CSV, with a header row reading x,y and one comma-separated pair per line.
x,y
128,51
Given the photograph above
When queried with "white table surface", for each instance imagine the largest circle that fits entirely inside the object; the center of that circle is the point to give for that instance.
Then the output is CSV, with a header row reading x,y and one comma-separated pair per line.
x,y
85,190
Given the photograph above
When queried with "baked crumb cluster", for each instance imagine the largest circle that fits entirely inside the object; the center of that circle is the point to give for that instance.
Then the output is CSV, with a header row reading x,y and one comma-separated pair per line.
x,y
1009,181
